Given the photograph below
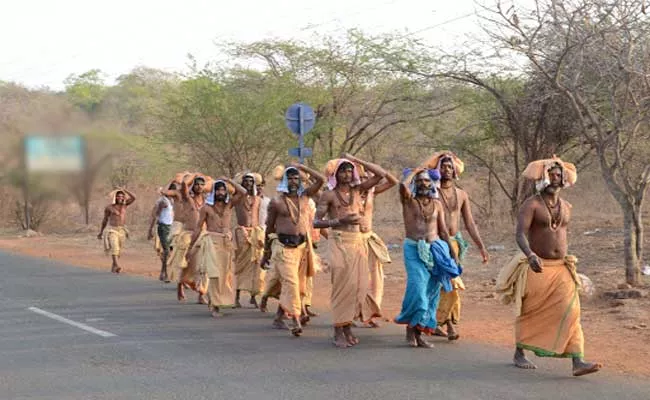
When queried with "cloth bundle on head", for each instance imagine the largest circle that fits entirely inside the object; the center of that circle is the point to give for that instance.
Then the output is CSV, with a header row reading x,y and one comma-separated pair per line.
x,y
332,167
433,174
209,200
437,158
113,194
283,186
190,177
538,171
278,173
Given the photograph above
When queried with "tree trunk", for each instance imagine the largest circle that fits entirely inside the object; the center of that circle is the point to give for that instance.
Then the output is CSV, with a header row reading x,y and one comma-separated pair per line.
x,y
632,228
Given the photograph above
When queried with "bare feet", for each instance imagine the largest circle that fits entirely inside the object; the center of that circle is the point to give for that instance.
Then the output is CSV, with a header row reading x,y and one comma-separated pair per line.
x,y
253,302
164,277
216,313
580,367
421,342
371,324
296,329
279,324
310,312
304,319
439,332
451,332
202,299
180,292
410,337
347,331
237,303
340,340
263,303
521,361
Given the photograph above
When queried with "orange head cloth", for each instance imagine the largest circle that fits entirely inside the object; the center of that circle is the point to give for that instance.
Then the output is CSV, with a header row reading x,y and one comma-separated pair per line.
x,y
538,172
332,167
436,159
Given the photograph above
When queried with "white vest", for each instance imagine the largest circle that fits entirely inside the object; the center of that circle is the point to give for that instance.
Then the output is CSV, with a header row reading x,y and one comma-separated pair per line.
x,y
166,214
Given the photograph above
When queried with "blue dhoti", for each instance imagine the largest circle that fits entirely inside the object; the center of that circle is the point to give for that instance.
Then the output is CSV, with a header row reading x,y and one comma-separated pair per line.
x,y
429,267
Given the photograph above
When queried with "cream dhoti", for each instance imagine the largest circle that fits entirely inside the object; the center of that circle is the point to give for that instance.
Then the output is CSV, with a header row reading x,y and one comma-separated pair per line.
x,y
114,238
547,306
377,256
287,261
249,251
213,255
348,260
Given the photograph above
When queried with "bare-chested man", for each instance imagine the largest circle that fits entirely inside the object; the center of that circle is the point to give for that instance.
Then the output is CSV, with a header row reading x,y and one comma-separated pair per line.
x,y
429,259
190,199
544,282
347,248
288,240
163,218
456,205
115,217
213,246
377,251
249,240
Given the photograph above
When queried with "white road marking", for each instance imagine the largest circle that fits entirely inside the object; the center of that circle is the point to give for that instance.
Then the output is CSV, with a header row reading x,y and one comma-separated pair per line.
x,y
71,322
94,319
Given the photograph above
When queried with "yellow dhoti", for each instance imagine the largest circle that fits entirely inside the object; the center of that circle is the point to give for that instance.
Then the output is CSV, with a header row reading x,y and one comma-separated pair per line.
x,y
114,238
449,305
348,260
287,264
548,306
272,283
213,255
248,254
377,256
178,258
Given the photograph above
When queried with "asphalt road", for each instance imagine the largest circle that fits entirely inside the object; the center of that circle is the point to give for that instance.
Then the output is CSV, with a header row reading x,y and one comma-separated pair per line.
x,y
165,350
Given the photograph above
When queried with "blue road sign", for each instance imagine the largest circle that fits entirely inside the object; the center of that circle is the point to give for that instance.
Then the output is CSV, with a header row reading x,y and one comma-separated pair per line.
x,y
300,118
296,152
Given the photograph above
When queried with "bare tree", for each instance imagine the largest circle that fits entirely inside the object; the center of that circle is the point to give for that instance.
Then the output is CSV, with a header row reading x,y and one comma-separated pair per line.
x,y
596,53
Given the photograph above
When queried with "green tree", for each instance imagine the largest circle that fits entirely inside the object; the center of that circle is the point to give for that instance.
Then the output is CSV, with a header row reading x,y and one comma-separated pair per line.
x,y
86,90
597,55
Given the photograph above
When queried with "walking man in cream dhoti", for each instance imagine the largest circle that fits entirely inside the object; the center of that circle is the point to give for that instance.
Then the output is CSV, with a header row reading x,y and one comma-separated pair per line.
x,y
348,249
115,217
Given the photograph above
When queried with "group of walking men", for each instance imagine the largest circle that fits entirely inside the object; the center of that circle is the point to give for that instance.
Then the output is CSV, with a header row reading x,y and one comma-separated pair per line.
x,y
275,238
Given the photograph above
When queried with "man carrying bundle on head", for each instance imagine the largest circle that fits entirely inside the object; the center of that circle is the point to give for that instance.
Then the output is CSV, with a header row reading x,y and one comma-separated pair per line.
x,y
348,249
212,247
288,241
429,258
115,218
249,241
190,198
456,205
377,250
543,281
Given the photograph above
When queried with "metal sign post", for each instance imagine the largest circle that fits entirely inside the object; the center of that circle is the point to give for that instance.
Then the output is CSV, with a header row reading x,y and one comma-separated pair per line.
x,y
300,119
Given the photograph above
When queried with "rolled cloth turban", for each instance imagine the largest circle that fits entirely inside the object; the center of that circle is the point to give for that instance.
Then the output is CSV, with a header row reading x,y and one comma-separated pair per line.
x,y
433,174
437,158
538,171
278,173
209,200
257,179
332,167
283,186
113,194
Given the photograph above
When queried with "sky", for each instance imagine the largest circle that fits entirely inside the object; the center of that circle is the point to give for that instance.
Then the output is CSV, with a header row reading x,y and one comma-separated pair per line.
x,y
44,41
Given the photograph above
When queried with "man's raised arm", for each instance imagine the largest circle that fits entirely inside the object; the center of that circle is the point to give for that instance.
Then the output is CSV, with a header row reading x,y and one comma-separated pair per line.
x,y
319,179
